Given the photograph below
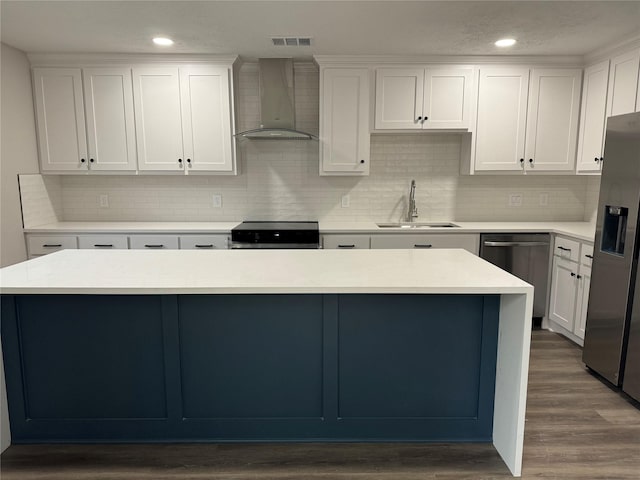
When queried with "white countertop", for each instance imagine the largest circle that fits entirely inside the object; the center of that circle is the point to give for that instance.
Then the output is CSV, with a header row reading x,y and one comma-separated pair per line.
x,y
581,230
133,227
258,271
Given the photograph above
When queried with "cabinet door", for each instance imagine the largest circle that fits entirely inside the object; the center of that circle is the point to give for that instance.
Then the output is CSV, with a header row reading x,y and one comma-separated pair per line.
x,y
154,242
103,242
204,242
62,137
584,281
564,287
344,125
426,241
623,83
502,115
447,98
207,119
110,126
158,118
552,119
345,242
43,244
399,98
592,117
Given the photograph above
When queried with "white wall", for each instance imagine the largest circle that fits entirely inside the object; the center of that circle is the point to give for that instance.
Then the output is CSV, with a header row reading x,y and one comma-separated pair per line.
x,y
18,149
18,154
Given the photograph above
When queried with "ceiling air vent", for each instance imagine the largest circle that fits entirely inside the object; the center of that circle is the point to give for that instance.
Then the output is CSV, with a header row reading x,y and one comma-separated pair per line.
x,y
291,41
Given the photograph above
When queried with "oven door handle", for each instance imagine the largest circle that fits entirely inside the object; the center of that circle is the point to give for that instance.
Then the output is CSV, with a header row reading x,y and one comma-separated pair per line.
x,y
515,244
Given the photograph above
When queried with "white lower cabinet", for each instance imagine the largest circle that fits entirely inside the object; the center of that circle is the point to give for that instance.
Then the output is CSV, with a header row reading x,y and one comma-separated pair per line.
x,y
103,242
468,242
43,244
154,242
204,242
570,281
346,242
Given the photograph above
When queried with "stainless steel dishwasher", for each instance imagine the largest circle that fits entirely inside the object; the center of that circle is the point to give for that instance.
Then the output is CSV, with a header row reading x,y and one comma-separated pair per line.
x,y
525,255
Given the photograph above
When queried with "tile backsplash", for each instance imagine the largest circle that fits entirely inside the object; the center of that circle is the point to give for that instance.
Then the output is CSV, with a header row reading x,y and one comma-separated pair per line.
x,y
279,180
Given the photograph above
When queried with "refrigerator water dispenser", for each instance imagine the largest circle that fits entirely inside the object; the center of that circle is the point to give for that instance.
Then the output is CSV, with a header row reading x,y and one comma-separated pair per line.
x,y
614,229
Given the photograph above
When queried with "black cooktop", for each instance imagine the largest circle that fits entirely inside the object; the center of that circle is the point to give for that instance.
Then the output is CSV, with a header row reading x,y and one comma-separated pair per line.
x,y
263,234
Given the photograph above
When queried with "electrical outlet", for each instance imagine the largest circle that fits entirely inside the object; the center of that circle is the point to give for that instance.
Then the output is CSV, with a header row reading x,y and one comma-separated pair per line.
x,y
104,201
515,199
544,199
217,200
346,201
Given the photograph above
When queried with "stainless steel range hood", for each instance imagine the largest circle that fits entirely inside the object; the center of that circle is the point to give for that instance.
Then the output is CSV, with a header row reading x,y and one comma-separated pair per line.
x,y
277,103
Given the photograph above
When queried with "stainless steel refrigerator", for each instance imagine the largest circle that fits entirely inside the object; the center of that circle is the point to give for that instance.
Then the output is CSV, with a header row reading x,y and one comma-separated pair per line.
x,y
612,338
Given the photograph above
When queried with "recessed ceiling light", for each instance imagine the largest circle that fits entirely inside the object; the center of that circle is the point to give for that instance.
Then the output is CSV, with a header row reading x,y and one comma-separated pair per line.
x,y
505,42
163,41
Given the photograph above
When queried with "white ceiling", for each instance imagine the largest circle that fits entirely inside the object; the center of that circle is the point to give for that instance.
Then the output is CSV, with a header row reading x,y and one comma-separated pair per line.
x,y
337,27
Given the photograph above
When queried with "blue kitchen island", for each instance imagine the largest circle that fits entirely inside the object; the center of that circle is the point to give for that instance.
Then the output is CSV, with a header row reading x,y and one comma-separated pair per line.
x,y
236,346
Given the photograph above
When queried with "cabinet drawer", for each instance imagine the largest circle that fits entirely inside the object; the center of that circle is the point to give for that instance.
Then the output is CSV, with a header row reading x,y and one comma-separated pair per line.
x,y
467,242
204,242
154,242
43,244
103,242
567,249
586,256
345,242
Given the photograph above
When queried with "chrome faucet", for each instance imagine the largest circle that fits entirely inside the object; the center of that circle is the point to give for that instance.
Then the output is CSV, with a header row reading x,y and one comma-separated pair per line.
x,y
412,212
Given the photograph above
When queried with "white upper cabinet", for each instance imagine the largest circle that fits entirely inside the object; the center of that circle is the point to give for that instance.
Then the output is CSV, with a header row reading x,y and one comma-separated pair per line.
x,y
623,83
110,124
207,118
399,98
423,98
502,116
60,118
344,121
592,118
552,119
158,118
184,119
447,98
527,120
116,116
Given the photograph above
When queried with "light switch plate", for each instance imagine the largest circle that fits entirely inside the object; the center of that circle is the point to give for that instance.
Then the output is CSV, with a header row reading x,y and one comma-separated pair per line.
x,y
544,199
217,200
515,199
346,201
104,201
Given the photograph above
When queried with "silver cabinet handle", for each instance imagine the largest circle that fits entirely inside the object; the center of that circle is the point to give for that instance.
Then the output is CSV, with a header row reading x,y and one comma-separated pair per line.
x,y
52,245
422,245
515,244
208,245
347,246
154,246
103,245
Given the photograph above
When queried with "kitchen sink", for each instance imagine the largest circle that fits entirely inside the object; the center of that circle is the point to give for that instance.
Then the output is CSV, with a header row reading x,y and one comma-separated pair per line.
x,y
417,225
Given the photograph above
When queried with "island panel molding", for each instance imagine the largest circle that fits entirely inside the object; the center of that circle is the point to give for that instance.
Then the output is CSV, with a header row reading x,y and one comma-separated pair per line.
x,y
89,368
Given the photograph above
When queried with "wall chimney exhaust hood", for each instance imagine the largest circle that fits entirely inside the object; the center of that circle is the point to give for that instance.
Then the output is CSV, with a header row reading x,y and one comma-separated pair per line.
x,y
277,103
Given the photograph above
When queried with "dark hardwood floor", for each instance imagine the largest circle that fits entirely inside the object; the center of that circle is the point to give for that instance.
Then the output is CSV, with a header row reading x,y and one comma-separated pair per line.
x,y
577,428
